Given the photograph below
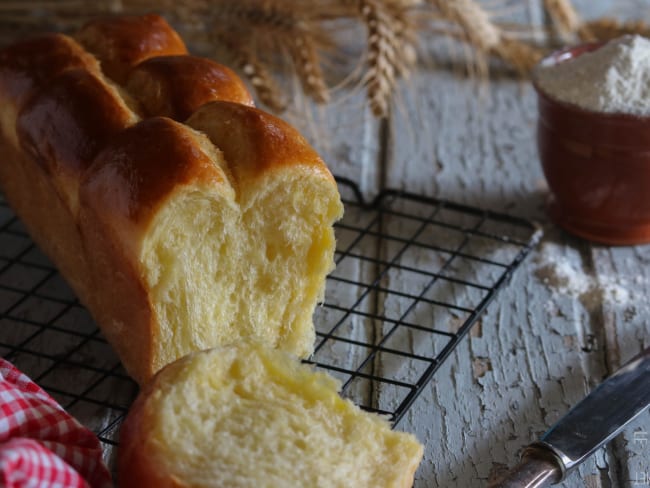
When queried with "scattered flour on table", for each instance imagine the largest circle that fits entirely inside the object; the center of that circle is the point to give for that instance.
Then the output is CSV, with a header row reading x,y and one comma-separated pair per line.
x,y
613,78
564,276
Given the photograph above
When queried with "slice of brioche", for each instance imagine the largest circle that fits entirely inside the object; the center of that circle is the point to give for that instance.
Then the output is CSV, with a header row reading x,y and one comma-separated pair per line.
x,y
249,416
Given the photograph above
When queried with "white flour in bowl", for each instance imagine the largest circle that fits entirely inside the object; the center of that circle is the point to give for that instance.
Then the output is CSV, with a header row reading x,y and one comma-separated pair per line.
x,y
614,78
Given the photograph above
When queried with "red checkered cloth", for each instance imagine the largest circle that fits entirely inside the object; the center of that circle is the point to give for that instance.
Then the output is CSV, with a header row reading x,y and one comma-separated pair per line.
x,y
41,445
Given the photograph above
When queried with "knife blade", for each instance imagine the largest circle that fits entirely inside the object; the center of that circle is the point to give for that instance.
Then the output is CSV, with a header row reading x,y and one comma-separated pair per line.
x,y
588,426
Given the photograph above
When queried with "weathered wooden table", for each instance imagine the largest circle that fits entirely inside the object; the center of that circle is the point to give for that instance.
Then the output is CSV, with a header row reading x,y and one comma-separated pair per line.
x,y
572,314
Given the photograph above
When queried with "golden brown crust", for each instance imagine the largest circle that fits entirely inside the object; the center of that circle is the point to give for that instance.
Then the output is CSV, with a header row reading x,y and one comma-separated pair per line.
x,y
33,62
122,42
176,86
65,124
30,192
141,166
137,461
137,464
254,142
134,459
121,304
119,195
138,171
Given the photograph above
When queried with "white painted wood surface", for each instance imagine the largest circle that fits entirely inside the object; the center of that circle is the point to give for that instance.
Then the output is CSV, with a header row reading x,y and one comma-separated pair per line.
x,y
572,314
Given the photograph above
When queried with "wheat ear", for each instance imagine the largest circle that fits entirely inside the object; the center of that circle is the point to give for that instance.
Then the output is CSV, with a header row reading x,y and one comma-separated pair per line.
x,y
473,20
565,18
485,36
405,36
386,39
475,29
305,57
265,86
282,24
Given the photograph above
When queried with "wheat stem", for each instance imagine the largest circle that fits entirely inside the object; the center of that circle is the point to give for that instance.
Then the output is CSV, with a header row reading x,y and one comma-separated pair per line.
x,y
474,21
256,72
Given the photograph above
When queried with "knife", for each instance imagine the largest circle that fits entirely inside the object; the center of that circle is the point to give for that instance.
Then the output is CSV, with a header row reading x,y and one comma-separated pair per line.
x,y
589,425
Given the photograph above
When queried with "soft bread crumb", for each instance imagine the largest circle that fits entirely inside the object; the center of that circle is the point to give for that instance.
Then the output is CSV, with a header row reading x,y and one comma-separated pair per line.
x,y
192,260
249,416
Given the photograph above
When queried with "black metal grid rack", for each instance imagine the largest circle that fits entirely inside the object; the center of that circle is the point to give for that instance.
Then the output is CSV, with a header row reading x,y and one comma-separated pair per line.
x,y
413,275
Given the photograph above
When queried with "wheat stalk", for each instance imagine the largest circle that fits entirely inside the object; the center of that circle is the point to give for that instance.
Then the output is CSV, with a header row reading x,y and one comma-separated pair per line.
x,y
280,24
486,36
405,35
265,86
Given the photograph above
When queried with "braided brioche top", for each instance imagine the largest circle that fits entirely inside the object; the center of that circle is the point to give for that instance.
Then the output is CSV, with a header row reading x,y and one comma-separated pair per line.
x,y
121,43
72,96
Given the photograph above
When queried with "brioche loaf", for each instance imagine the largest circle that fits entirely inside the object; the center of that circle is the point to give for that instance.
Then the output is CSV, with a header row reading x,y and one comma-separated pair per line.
x,y
248,416
178,235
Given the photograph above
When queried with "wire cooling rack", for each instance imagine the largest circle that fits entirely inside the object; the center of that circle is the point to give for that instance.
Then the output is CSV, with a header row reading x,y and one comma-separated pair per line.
x,y
413,275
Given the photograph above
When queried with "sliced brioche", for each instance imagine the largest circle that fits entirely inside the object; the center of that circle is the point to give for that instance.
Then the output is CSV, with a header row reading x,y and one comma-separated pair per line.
x,y
248,416
288,252
196,263
169,239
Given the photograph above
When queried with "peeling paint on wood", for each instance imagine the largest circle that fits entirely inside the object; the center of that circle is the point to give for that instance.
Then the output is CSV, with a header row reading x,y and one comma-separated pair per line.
x,y
542,346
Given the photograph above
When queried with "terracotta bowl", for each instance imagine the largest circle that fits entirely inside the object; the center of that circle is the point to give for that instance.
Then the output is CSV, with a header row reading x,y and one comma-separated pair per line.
x,y
597,166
